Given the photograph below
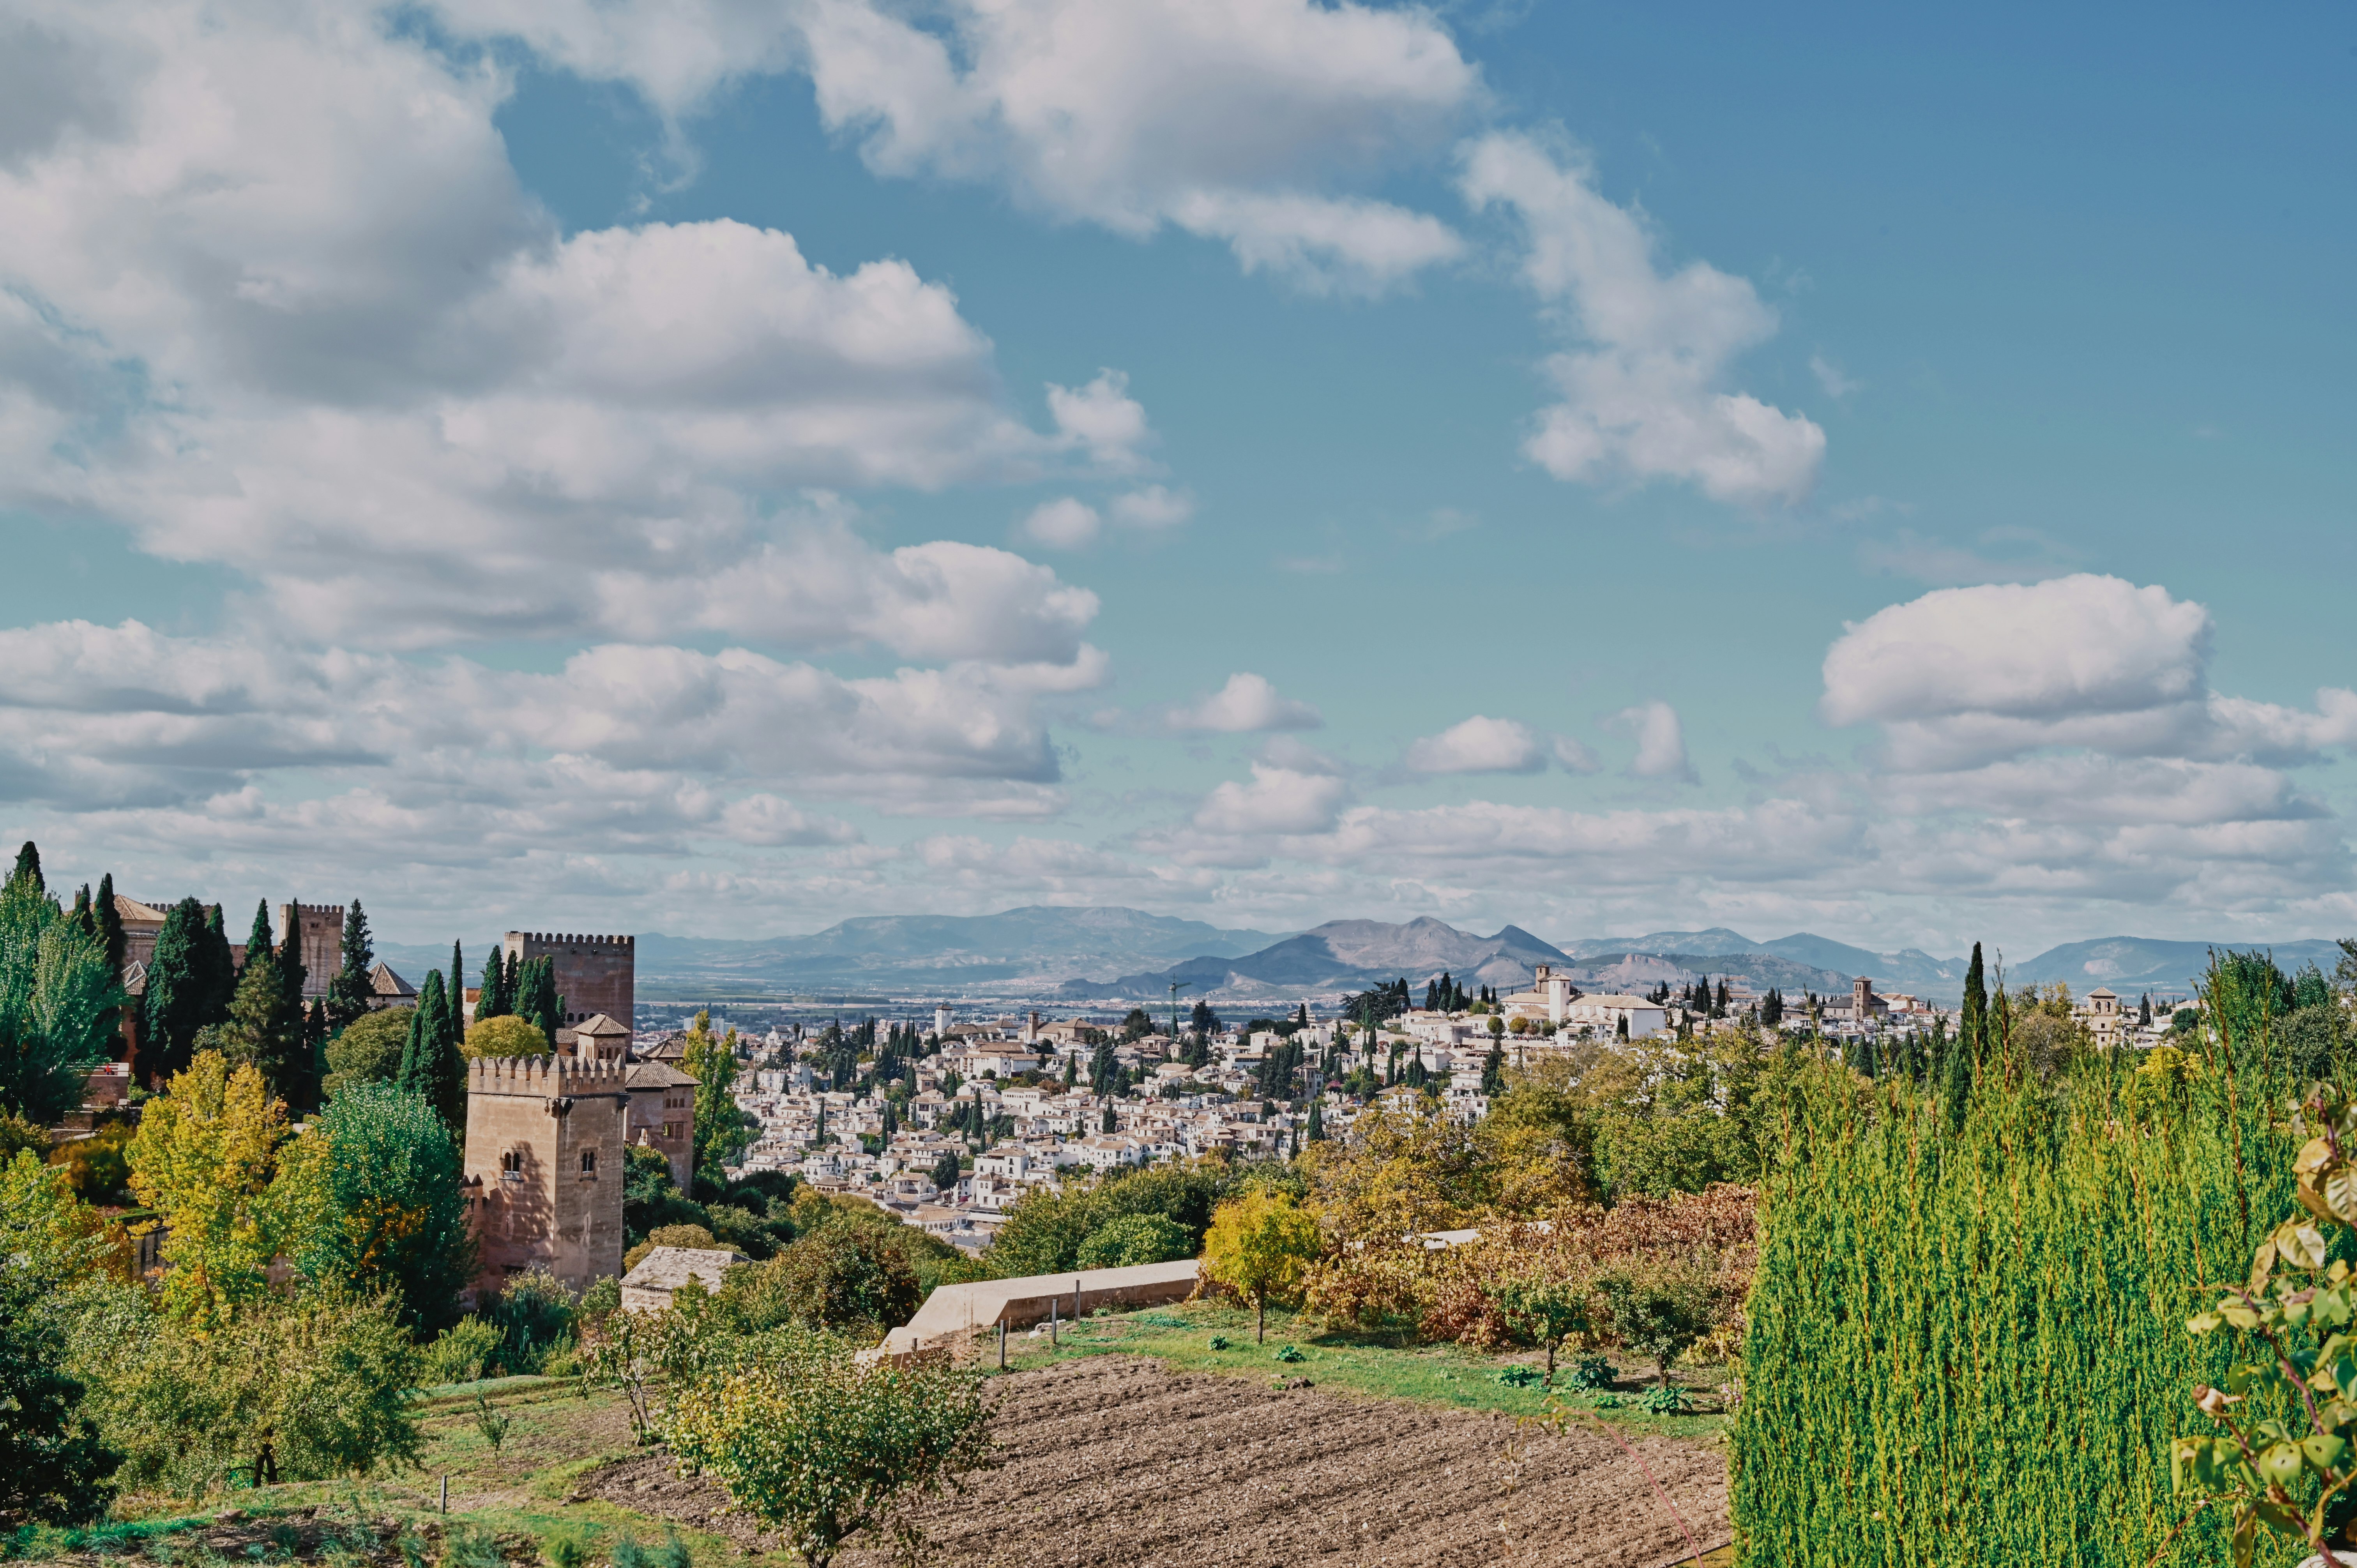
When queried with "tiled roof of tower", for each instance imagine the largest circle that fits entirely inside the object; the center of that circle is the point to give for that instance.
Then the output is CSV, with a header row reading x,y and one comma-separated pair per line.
x,y
383,982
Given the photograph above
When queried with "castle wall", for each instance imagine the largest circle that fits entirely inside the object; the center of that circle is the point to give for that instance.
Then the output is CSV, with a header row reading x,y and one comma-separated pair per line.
x,y
594,974
322,946
544,1139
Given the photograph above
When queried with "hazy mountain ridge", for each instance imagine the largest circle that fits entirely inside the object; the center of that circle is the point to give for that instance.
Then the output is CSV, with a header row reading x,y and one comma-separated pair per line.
x,y
1344,955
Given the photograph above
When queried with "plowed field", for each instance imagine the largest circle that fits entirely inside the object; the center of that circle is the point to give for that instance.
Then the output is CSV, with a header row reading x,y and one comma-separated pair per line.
x,y
1114,1461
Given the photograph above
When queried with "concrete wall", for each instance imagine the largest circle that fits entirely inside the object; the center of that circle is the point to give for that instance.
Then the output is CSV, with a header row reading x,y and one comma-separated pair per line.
x,y
953,1310
594,974
555,1211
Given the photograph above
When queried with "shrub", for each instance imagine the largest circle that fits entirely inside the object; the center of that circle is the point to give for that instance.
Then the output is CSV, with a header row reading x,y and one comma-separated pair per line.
x,y
1046,1229
841,1276
369,1049
1260,1245
462,1353
1132,1240
1659,1310
98,1167
536,1317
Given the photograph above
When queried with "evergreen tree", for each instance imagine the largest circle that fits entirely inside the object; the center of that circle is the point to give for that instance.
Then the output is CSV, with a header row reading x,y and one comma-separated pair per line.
x,y
458,992
1971,1023
110,923
351,993
1956,1085
216,966
1109,1123
173,1008
265,1024
1071,1069
495,1000
431,1063
536,1000
1493,1069
1316,1130
81,916
292,974
1771,1007
28,867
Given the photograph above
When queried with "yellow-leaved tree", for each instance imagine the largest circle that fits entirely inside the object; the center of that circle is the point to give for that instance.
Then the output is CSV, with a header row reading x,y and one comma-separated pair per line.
x,y
1261,1245
203,1160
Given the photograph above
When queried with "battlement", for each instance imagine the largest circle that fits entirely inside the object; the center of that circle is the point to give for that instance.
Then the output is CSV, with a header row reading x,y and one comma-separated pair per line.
x,y
571,939
550,1075
335,909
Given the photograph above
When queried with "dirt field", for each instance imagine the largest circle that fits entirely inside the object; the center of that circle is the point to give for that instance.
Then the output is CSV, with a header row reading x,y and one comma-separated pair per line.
x,y
1114,1461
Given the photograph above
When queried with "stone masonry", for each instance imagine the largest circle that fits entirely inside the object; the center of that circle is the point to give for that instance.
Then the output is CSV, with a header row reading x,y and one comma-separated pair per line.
x,y
322,946
545,1167
594,974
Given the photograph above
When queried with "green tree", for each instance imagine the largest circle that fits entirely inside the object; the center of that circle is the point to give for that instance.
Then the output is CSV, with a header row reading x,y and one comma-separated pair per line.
x,y
265,1023
368,1050
351,993
28,867
175,1000
110,925
1544,1308
431,1062
721,1134
504,1035
1659,1310
54,1465
537,999
375,1202
204,1159
1972,1023
846,1274
58,1005
1260,1245
495,1000
1135,1238
818,1447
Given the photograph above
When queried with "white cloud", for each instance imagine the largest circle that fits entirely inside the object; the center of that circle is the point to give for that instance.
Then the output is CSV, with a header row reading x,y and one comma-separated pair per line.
x,y
1829,376
1644,399
1661,741
1277,801
1064,524
1153,506
271,296
1245,704
1246,120
1479,745
1574,757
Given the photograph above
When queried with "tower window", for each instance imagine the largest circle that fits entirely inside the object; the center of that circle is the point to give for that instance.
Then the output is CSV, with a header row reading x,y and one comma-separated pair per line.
x,y
511,1166
589,1161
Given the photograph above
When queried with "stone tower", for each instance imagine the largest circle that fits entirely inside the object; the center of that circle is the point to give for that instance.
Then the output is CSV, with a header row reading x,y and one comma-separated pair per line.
x,y
322,946
594,974
545,1137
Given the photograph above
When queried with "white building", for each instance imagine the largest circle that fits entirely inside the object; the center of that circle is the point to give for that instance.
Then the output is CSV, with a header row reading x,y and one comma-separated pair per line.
x,y
1607,1012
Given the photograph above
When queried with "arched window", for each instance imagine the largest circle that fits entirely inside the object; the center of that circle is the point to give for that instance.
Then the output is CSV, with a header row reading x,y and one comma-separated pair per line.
x,y
588,1161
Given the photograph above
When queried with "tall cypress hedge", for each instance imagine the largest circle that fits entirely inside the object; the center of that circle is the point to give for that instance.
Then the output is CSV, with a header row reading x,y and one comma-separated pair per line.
x,y
1970,1347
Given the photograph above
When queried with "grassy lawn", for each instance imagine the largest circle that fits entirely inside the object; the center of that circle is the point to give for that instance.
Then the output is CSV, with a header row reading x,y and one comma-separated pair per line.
x,y
1180,1337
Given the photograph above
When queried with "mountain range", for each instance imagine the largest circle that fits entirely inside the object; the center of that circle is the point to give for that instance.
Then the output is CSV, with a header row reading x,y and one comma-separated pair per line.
x,y
1092,954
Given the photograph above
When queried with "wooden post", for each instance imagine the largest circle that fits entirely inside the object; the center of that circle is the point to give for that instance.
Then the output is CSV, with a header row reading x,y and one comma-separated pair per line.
x,y
1051,1323
1076,1301
446,1493
1002,1344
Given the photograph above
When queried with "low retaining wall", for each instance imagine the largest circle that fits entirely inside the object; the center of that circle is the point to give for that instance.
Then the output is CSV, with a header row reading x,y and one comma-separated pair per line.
x,y
955,1310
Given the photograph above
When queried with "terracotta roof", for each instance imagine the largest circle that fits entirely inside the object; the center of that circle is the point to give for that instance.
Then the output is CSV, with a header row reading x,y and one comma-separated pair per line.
x,y
655,1075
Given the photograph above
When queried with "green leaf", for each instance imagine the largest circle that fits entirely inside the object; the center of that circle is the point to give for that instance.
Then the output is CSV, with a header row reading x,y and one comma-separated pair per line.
x,y
2263,1267
2204,1322
2240,1316
2279,1463
2325,1452
2340,1194
2300,1244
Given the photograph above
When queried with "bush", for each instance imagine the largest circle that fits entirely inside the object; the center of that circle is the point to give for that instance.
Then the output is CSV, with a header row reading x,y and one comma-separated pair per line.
x,y
1045,1229
536,1317
462,1354
378,1183
841,1276
1132,1240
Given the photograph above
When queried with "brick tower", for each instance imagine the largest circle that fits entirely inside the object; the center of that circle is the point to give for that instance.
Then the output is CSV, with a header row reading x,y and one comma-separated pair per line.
x,y
594,974
322,946
544,1139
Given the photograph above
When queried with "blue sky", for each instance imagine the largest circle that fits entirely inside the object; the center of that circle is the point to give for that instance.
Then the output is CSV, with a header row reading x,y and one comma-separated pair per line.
x,y
718,468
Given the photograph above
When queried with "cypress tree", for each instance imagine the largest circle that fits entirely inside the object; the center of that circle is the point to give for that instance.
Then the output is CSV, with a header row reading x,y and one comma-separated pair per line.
x,y
81,914
265,1024
459,993
110,923
431,1065
292,976
497,998
1956,1075
1316,1122
28,867
216,966
172,1009
348,993
1971,1023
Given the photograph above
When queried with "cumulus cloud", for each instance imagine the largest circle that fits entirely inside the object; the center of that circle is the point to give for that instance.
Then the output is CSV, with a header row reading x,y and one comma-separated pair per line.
x,y
1479,745
1065,523
1644,399
271,296
1153,506
1276,801
1244,121
1962,677
1247,704
1661,741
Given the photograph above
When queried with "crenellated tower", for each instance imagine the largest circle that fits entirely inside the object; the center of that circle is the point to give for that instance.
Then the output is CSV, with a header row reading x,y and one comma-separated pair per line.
x,y
593,973
544,1139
